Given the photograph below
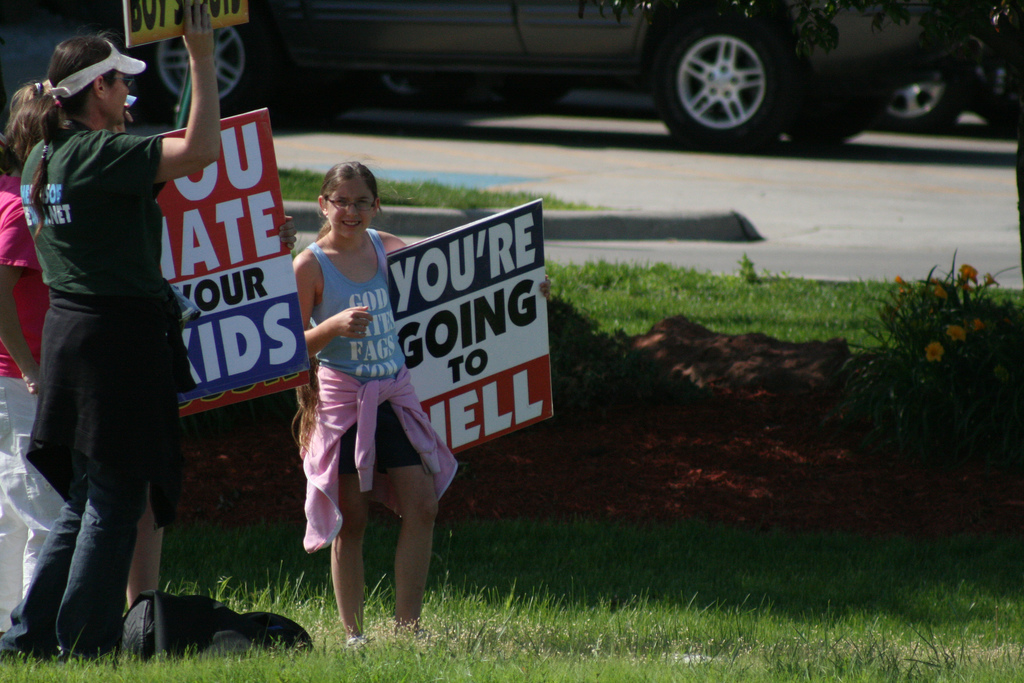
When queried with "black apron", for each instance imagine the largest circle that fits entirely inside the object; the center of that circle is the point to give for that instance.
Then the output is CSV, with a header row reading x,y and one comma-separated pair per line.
x,y
108,391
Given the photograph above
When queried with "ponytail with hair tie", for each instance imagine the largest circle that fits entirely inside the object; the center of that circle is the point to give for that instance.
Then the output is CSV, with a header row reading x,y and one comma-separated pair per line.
x,y
43,88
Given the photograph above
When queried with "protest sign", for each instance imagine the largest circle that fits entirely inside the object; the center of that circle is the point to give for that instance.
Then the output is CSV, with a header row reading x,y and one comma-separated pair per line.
x,y
222,250
146,21
473,325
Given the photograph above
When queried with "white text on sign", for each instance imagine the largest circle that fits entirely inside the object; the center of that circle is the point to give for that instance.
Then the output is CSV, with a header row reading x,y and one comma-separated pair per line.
x,y
505,249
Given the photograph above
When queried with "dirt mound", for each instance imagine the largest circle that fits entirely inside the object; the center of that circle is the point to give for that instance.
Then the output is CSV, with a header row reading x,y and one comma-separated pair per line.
x,y
751,361
761,458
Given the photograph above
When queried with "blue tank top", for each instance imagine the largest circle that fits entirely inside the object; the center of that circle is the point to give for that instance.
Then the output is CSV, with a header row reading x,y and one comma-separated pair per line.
x,y
377,355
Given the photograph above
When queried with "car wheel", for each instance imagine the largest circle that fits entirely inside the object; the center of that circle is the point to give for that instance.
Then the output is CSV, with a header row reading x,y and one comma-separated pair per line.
x,y
835,122
726,84
928,106
249,69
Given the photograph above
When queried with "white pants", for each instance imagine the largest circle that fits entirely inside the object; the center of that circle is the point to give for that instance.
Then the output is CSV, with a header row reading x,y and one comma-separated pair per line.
x,y
28,504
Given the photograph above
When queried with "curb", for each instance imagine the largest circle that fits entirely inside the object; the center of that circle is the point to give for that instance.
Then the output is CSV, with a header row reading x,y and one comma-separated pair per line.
x,y
558,225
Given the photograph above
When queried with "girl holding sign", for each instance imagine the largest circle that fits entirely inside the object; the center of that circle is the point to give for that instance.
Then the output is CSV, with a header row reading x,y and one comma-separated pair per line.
x,y
361,429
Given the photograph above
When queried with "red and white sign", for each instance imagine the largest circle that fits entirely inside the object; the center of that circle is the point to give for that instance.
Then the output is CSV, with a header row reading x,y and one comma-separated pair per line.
x,y
472,324
222,250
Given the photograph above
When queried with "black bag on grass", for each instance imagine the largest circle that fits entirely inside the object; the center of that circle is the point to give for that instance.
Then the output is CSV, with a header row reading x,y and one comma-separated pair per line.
x,y
161,623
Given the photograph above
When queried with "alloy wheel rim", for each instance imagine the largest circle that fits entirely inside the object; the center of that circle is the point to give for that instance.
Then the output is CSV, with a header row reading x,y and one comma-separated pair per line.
x,y
172,61
721,82
916,99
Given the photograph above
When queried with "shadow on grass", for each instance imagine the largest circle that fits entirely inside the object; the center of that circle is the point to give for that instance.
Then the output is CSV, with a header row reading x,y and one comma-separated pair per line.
x,y
693,565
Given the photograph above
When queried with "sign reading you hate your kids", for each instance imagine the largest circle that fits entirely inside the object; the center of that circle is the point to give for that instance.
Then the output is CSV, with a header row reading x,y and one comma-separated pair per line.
x,y
222,250
473,325
146,21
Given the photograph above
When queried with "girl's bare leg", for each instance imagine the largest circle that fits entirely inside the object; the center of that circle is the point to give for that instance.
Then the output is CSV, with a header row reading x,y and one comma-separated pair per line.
x,y
347,573
417,505
145,570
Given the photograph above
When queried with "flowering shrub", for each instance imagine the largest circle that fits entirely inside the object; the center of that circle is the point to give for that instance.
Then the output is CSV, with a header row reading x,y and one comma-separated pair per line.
x,y
946,381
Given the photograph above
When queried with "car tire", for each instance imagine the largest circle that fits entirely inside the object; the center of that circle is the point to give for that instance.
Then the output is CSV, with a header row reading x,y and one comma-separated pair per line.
x,y
249,70
726,84
928,106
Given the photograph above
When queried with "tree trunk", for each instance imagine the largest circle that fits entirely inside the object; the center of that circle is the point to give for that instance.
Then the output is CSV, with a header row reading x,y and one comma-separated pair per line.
x,y
1020,176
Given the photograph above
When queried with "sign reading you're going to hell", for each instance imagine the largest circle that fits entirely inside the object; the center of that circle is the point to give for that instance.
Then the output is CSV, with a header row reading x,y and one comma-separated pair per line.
x,y
222,250
472,324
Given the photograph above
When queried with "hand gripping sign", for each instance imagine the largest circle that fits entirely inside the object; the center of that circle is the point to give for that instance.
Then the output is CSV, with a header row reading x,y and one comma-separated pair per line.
x,y
473,325
222,250
146,21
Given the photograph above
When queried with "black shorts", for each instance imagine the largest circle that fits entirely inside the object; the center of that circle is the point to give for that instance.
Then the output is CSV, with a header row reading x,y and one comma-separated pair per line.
x,y
393,447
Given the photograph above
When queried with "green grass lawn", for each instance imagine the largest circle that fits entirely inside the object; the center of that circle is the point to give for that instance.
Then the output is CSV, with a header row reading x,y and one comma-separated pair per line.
x,y
302,185
633,298
590,601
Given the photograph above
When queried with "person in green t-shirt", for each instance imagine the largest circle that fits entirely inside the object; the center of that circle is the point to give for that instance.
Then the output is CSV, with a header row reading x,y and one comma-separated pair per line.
x,y
107,429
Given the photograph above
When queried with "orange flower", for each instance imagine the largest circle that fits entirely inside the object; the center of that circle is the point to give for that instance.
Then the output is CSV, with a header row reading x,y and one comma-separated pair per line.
x,y
940,291
969,273
899,280
933,352
989,280
978,325
956,333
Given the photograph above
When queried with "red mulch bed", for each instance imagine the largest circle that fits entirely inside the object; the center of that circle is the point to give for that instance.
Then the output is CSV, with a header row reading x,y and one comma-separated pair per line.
x,y
746,458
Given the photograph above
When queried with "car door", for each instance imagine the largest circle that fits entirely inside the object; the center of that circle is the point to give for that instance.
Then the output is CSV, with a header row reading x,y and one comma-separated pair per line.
x,y
396,33
553,29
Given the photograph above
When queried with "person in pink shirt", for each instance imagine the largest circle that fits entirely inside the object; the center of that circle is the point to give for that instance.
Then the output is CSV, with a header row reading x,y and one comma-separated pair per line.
x,y
362,431
28,504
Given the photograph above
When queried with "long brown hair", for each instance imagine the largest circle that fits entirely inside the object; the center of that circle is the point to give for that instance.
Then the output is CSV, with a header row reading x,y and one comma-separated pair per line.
x,y
70,56
308,395
25,125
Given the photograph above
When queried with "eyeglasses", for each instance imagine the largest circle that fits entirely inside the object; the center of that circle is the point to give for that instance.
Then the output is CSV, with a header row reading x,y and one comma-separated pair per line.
x,y
360,205
127,80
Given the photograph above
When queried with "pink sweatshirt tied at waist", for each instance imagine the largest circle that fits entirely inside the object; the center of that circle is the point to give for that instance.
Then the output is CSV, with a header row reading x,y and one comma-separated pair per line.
x,y
344,401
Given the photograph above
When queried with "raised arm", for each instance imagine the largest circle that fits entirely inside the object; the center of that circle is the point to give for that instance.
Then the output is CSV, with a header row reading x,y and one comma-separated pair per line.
x,y
201,145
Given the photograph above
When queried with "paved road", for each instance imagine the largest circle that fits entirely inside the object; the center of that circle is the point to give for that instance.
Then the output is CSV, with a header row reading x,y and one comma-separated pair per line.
x,y
880,206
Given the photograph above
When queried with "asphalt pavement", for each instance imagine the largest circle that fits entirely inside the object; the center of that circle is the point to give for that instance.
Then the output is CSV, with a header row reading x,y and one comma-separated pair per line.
x,y
879,206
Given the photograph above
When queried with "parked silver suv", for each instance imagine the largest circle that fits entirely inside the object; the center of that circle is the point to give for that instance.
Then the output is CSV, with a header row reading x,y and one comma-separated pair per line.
x,y
726,83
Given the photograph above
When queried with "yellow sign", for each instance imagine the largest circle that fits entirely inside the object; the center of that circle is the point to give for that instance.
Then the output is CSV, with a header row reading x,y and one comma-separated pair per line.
x,y
147,21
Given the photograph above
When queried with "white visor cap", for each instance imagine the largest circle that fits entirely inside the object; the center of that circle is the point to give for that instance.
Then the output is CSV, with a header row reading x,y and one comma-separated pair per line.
x,y
79,80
